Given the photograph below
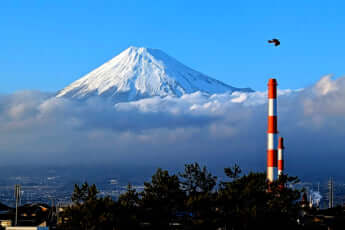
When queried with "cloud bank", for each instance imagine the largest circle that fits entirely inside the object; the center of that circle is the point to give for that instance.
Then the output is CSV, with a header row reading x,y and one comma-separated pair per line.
x,y
37,128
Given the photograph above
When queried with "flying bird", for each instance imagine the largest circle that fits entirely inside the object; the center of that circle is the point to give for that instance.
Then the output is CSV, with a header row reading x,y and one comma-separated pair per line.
x,y
275,41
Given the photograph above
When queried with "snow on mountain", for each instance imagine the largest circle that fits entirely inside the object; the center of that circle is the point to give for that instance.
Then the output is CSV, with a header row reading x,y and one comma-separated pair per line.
x,y
138,73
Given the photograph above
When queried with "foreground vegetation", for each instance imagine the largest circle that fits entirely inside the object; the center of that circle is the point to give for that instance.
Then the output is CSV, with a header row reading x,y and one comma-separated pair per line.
x,y
193,199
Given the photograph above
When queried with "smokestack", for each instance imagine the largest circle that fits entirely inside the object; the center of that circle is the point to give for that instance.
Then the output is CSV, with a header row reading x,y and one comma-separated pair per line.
x,y
272,129
280,156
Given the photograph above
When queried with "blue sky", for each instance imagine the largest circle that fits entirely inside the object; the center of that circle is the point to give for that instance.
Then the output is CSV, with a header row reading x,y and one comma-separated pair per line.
x,y
45,45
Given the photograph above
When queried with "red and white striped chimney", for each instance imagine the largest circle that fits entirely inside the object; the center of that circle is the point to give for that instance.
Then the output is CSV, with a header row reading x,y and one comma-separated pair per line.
x,y
272,129
280,156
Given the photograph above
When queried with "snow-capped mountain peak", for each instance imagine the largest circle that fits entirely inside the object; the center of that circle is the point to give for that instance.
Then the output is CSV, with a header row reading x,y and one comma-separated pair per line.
x,y
143,72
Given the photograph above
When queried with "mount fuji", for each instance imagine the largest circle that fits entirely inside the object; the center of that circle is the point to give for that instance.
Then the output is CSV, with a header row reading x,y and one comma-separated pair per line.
x,y
138,73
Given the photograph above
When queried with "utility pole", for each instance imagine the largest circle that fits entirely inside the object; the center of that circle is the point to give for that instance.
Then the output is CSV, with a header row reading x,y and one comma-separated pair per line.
x,y
17,196
330,192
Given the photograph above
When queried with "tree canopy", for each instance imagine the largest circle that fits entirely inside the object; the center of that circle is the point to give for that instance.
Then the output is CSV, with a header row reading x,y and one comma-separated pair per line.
x,y
192,199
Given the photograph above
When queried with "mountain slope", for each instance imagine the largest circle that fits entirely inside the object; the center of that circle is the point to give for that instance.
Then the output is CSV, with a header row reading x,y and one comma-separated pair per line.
x,y
141,72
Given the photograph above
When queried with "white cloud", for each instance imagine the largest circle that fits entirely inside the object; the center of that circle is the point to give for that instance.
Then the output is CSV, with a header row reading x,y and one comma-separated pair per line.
x,y
218,130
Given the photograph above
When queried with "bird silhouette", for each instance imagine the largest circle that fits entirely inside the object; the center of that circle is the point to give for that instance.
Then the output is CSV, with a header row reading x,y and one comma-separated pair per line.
x,y
275,41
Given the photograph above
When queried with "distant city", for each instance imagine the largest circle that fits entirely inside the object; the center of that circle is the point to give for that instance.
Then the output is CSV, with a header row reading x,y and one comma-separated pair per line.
x,y
53,189
57,189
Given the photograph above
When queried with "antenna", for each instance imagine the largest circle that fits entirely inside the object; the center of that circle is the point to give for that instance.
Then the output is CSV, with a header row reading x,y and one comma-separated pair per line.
x,y
330,192
17,196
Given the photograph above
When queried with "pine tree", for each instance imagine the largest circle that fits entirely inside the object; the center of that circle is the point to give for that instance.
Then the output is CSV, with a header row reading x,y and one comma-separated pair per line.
x,y
130,211
198,183
250,202
162,198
